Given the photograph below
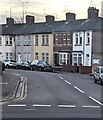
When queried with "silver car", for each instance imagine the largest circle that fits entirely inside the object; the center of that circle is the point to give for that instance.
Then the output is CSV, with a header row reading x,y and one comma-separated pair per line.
x,y
98,75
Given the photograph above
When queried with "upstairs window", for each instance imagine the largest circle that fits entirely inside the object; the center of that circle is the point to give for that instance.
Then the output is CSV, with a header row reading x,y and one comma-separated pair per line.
x,y
76,37
10,40
47,39
36,40
64,39
43,40
80,38
88,38
25,40
68,39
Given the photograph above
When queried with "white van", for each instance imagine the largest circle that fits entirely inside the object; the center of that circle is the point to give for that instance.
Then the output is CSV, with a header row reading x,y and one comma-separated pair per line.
x,y
98,75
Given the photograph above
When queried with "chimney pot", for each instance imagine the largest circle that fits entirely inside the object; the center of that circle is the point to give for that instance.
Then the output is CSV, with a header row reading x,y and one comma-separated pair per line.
x,y
50,18
9,21
70,16
30,19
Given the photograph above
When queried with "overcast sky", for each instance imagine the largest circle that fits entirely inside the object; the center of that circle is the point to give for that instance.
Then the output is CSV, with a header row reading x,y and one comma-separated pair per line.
x,y
41,8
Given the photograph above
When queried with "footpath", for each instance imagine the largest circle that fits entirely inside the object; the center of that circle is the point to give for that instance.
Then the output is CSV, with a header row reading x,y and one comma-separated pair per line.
x,y
9,83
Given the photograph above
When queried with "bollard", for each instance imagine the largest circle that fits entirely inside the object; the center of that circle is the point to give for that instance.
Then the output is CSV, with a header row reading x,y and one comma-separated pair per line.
x,y
1,68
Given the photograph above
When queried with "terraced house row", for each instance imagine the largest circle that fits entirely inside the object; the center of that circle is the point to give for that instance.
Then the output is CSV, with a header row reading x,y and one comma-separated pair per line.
x,y
68,41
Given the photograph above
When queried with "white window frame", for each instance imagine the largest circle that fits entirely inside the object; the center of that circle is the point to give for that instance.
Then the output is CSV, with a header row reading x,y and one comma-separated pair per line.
x,y
43,39
77,56
0,40
47,39
64,39
62,59
68,39
88,38
25,40
36,40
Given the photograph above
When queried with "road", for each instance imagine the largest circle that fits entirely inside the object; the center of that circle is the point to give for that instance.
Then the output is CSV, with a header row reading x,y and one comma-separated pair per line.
x,y
56,95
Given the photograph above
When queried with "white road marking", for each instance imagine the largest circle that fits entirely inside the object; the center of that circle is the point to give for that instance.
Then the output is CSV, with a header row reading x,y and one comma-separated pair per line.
x,y
29,109
60,77
95,100
72,106
37,105
67,82
17,105
91,106
3,83
78,89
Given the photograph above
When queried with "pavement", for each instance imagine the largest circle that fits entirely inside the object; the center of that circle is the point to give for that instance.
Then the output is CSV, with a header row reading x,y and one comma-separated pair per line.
x,y
9,83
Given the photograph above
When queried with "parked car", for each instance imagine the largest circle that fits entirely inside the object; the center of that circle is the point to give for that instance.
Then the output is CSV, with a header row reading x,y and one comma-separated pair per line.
x,y
41,66
23,65
10,63
98,75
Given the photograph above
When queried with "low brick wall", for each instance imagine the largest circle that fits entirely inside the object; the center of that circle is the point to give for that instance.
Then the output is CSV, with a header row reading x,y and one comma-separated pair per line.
x,y
74,69
70,68
56,68
85,69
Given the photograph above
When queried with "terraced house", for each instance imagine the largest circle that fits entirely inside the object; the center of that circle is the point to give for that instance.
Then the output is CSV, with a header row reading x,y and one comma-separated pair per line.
x,y
67,42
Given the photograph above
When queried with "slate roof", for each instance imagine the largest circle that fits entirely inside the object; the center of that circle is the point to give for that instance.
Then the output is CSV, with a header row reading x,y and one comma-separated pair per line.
x,y
9,29
94,24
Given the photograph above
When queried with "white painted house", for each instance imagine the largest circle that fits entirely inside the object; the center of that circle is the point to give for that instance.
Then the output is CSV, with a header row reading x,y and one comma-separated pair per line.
x,y
82,48
24,48
7,47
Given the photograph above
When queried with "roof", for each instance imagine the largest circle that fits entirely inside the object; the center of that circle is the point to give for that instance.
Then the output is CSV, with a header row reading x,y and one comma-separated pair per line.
x,y
55,26
93,24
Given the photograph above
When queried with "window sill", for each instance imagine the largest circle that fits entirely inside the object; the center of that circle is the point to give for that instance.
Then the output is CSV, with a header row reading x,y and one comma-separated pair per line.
x,y
88,44
27,45
36,45
78,45
45,45
8,45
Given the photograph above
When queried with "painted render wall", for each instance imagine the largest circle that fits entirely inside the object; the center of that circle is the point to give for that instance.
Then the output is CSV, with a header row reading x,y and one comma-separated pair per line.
x,y
44,49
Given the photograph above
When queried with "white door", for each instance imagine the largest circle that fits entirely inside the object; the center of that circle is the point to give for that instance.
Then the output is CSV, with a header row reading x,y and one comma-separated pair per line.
x,y
87,59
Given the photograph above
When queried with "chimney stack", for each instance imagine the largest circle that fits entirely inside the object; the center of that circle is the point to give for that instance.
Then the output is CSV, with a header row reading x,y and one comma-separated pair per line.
x,y
92,12
9,21
30,19
70,16
50,18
